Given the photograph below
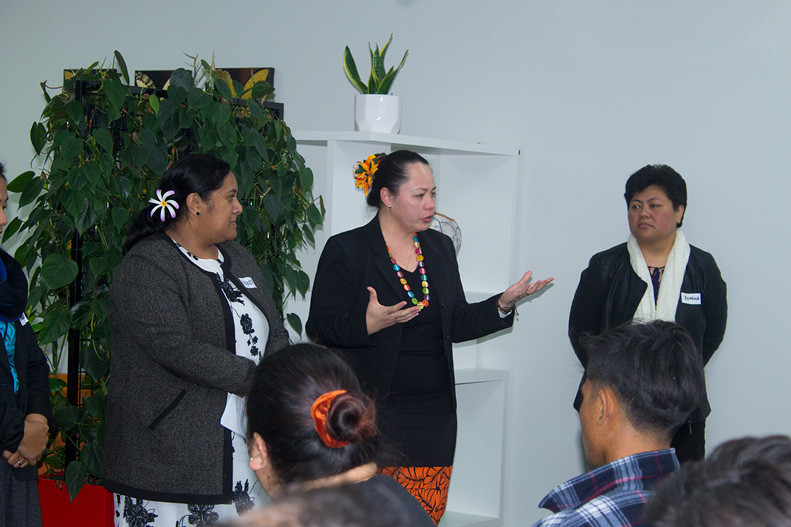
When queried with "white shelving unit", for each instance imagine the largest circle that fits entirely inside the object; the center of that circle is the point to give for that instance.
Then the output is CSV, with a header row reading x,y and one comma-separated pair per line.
x,y
477,186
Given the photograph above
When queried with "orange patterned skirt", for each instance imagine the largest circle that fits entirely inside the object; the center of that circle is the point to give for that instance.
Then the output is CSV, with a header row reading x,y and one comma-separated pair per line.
x,y
429,486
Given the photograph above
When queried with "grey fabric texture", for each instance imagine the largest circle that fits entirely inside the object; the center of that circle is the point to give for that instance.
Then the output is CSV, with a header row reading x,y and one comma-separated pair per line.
x,y
172,362
19,504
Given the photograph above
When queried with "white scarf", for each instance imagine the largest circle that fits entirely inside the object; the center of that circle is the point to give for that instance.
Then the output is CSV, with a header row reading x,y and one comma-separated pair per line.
x,y
669,288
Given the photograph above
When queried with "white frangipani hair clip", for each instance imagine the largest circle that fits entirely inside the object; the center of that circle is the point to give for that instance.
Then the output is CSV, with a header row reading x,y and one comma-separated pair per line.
x,y
163,203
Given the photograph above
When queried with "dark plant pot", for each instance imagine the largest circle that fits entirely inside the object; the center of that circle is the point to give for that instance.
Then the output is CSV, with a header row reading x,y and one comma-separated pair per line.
x,y
93,506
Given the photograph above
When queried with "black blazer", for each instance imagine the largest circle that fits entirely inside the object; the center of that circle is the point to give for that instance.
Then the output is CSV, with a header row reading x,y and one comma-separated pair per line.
x,y
356,259
609,292
32,372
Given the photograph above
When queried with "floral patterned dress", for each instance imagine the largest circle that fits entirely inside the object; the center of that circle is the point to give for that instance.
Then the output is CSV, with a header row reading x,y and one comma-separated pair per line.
x,y
250,322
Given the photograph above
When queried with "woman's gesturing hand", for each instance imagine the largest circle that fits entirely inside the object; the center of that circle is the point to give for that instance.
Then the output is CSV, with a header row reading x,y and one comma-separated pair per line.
x,y
379,317
520,290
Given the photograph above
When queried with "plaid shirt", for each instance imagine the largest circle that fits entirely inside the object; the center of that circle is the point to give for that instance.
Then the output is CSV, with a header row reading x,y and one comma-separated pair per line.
x,y
610,496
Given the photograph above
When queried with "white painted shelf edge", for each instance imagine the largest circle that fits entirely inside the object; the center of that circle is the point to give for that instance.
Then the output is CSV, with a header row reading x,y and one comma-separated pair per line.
x,y
439,146
461,519
471,375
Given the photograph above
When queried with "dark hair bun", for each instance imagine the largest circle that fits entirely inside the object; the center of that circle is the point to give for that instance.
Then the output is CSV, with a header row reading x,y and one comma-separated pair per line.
x,y
351,417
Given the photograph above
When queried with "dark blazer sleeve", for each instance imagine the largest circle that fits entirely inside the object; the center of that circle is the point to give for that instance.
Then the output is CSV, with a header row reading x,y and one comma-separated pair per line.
x,y
715,309
34,386
585,316
37,376
337,312
12,421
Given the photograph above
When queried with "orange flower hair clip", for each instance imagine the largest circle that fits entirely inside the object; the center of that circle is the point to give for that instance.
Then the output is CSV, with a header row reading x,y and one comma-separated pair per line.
x,y
364,172
319,412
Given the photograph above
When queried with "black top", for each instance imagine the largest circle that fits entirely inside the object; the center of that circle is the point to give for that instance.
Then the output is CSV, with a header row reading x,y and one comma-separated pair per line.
x,y
386,495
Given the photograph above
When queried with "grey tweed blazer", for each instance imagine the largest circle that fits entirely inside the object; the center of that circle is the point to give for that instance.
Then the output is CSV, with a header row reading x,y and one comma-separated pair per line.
x,y
172,362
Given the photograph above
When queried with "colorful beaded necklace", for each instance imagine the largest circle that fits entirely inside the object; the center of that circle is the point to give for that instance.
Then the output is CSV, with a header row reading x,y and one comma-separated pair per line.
x,y
421,269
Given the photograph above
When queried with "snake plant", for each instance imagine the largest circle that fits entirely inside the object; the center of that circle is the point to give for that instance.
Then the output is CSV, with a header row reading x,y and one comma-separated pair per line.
x,y
380,81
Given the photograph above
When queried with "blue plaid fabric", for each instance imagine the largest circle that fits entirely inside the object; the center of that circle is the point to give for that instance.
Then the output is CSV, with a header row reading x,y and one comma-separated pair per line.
x,y
610,496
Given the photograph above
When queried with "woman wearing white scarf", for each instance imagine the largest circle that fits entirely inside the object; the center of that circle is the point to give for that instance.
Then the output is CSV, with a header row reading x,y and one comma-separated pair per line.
x,y
655,275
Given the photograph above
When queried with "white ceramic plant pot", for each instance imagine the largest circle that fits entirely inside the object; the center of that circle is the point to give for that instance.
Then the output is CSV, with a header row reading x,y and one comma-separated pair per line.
x,y
377,113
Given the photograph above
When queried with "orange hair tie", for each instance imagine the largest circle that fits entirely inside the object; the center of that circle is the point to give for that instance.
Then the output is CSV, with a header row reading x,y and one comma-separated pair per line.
x,y
319,412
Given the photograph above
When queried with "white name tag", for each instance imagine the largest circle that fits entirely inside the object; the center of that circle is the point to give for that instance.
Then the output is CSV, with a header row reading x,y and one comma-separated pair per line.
x,y
690,298
247,282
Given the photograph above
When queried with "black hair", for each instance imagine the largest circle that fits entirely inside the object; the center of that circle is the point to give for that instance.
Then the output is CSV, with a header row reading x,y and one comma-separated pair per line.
x,y
654,369
663,177
2,172
391,174
201,174
744,482
283,389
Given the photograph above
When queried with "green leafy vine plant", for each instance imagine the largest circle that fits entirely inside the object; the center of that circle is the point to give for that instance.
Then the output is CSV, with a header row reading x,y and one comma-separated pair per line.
x,y
103,146
380,80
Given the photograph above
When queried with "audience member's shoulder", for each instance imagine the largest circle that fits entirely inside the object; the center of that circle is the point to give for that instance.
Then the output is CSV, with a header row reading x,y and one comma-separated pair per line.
x,y
389,489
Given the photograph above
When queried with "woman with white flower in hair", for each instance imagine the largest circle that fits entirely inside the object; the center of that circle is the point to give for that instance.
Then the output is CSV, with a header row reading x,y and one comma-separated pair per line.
x,y
190,317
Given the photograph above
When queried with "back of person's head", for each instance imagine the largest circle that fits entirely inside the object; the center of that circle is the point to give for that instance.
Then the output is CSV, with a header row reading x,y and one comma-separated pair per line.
x,y
654,370
200,174
743,483
391,173
335,506
307,405
663,177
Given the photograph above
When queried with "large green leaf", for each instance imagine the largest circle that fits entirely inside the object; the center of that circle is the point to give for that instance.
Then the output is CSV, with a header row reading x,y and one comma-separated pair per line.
x,y
176,94
116,94
75,111
314,216
103,139
273,206
76,476
306,178
56,323
58,271
38,137
223,88
91,457
95,404
168,119
19,183
31,191
183,79
295,322
350,68
122,64
11,229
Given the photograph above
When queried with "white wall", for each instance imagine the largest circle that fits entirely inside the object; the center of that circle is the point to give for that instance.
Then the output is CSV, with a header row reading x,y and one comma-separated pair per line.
x,y
589,91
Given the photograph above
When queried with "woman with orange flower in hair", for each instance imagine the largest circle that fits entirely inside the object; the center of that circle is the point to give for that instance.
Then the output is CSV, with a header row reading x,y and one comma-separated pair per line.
x,y
388,297
310,425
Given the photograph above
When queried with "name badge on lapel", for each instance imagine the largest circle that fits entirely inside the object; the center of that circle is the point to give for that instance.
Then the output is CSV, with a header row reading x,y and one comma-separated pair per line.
x,y
692,299
247,282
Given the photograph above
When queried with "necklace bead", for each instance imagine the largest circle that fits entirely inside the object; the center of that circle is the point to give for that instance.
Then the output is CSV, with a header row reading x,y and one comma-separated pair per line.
x,y
421,270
